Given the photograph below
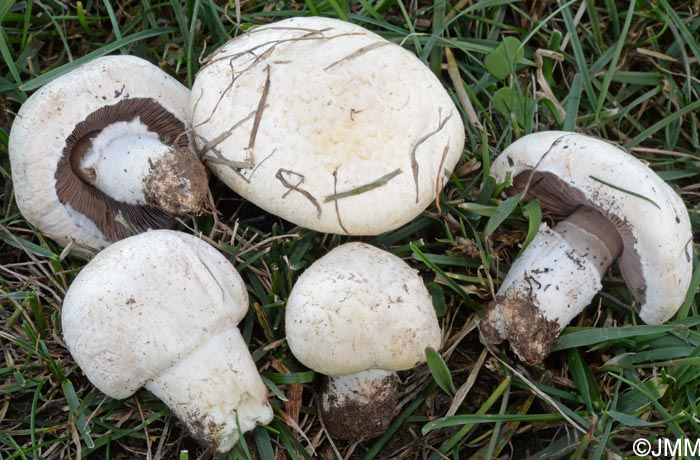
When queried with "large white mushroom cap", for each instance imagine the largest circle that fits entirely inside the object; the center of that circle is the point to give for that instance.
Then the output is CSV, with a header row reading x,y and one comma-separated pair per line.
x,y
327,125
160,310
359,308
54,117
568,170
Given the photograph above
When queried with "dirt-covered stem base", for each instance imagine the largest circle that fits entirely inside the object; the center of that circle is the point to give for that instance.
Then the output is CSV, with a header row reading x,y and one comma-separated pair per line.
x,y
553,280
359,406
215,390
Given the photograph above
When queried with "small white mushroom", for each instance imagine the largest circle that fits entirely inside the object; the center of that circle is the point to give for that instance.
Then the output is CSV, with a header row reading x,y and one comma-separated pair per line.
x,y
160,310
615,208
106,138
358,315
327,125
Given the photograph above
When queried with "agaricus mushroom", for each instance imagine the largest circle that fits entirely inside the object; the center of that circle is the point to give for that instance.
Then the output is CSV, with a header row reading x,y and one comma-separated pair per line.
x,y
327,125
106,138
358,315
614,208
159,310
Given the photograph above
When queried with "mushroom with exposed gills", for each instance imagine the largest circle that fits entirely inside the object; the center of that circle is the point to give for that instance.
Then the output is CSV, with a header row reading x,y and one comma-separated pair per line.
x,y
358,315
107,138
160,310
327,125
614,208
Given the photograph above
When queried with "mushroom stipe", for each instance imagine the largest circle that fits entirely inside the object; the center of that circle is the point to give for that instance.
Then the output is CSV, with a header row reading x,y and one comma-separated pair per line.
x,y
366,414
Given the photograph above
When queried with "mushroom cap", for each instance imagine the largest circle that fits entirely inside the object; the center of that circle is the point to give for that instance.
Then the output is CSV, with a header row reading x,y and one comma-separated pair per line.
x,y
145,303
359,308
566,170
343,132
51,119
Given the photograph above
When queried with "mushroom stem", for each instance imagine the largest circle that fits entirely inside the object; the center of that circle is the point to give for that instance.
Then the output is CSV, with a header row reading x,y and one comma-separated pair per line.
x,y
359,406
131,164
553,280
215,391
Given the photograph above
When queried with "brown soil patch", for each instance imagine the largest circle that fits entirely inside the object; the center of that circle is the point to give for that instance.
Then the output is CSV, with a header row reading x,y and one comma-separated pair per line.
x,y
520,322
178,184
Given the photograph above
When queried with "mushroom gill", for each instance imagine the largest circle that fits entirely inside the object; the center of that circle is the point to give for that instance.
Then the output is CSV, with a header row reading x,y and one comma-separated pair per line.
x,y
560,200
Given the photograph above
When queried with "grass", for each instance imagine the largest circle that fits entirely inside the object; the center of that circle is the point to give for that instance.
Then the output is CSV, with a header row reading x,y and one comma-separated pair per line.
x,y
625,71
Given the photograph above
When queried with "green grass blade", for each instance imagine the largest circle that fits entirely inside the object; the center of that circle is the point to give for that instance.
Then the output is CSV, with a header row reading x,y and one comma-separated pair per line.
x,y
579,55
607,79
534,221
264,444
138,36
438,271
661,124
572,103
441,373
501,213
77,416
113,20
582,337
7,57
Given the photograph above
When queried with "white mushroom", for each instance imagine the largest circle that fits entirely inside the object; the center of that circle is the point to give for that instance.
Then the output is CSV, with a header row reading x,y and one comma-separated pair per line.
x,y
327,125
109,137
358,314
616,208
159,310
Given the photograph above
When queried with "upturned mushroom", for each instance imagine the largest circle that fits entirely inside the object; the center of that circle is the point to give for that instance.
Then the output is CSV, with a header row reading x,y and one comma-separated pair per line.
x,y
105,139
327,125
160,310
614,208
358,315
